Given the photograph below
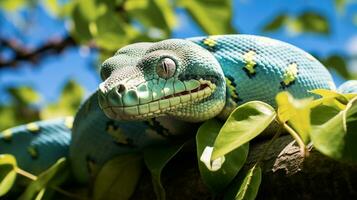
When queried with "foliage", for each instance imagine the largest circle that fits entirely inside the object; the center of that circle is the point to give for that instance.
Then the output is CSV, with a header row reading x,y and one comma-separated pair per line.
x,y
23,106
108,25
246,184
217,179
68,103
328,123
7,172
309,22
238,128
52,177
118,177
156,158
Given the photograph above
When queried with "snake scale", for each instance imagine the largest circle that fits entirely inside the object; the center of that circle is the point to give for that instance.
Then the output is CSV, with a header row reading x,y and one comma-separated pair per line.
x,y
152,91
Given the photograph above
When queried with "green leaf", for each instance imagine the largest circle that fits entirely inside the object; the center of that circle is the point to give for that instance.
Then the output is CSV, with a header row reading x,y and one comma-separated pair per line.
x,y
167,12
213,16
7,173
68,103
219,179
340,5
91,9
246,185
245,123
24,95
12,5
337,63
156,158
80,30
110,36
118,178
47,179
332,98
296,113
276,23
314,23
334,131
52,6
156,16
12,115
308,22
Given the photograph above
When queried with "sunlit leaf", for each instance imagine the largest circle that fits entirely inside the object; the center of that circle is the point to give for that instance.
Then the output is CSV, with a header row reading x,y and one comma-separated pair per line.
x,y
213,16
332,98
156,158
334,131
48,178
52,6
7,173
91,9
68,103
109,31
118,178
296,113
219,179
24,95
246,185
314,22
8,117
156,16
245,123
12,5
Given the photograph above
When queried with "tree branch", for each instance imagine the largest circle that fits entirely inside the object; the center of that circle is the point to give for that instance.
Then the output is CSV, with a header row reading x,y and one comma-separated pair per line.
x,y
54,46
286,175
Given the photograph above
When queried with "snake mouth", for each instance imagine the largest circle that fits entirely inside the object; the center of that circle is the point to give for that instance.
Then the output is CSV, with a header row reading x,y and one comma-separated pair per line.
x,y
193,93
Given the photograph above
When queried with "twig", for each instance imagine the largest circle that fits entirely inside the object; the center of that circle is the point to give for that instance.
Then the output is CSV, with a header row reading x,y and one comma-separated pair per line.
x,y
24,54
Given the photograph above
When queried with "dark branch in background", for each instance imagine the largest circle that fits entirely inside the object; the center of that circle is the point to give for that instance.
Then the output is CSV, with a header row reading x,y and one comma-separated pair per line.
x,y
21,53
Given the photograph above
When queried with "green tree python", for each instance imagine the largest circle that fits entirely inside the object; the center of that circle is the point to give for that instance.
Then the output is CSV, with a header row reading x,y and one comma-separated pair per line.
x,y
153,91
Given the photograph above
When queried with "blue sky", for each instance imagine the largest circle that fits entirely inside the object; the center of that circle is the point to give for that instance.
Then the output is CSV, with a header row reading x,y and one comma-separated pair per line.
x,y
33,27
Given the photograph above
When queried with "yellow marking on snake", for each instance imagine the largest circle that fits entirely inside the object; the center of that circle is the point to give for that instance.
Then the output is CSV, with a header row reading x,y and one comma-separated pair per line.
x,y
68,122
7,135
32,151
232,89
249,59
290,74
33,127
210,41
117,134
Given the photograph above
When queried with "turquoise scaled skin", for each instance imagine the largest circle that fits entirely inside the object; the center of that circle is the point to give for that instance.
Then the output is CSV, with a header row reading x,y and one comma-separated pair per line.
x,y
153,92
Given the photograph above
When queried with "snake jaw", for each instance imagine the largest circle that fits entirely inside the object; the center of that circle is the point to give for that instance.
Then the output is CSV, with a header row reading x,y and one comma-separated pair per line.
x,y
149,104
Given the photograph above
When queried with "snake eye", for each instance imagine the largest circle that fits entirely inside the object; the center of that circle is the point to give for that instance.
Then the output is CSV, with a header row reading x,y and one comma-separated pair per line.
x,y
166,68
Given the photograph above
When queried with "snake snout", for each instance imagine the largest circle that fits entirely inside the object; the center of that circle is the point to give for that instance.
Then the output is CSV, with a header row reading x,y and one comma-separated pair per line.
x,y
120,89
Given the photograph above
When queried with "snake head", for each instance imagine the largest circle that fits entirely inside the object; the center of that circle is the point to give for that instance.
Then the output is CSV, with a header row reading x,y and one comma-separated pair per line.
x,y
173,77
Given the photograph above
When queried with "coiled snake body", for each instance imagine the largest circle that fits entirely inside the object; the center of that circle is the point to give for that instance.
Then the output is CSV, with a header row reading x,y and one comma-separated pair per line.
x,y
153,90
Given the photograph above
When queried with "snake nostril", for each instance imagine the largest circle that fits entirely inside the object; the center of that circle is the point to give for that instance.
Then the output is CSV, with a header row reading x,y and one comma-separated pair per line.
x,y
120,88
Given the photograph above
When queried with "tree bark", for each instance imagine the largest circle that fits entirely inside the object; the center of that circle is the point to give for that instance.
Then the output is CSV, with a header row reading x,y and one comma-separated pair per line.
x,y
286,175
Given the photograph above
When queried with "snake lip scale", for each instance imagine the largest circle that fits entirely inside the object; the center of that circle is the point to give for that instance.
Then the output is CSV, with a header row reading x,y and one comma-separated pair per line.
x,y
186,97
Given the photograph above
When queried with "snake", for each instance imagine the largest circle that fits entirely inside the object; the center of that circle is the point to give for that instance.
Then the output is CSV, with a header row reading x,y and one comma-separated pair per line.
x,y
153,92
